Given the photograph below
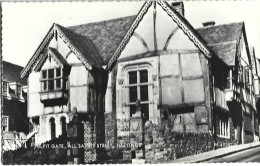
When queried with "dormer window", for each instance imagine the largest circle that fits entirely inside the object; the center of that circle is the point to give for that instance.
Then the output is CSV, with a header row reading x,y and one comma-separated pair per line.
x,y
51,79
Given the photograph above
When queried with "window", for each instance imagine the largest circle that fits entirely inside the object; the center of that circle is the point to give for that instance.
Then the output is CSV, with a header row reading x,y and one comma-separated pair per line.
x,y
51,79
63,125
224,129
53,128
5,86
138,89
5,123
230,79
246,75
18,90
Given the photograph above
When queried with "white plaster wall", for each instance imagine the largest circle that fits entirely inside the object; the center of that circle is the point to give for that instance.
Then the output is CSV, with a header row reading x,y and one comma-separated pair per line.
x,y
44,133
180,41
134,47
145,28
78,88
164,26
35,107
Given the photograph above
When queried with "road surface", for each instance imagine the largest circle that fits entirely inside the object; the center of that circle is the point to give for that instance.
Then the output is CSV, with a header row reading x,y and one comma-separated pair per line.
x,y
250,155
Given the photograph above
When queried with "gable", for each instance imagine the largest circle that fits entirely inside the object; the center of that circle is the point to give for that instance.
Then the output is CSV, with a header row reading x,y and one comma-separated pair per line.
x,y
146,13
67,38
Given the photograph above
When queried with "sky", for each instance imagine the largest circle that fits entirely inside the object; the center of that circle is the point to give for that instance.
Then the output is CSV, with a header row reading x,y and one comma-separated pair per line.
x,y
25,24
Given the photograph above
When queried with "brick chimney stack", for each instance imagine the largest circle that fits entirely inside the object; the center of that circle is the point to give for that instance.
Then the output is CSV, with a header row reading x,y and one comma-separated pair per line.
x,y
208,24
179,7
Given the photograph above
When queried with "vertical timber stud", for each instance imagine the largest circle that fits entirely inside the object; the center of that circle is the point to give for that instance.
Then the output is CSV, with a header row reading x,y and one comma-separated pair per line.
x,y
154,26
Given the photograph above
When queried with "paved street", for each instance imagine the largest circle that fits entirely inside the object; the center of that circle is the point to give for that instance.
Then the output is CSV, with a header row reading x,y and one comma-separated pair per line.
x,y
251,155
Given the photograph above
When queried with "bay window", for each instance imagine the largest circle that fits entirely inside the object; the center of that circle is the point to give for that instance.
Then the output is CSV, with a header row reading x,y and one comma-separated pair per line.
x,y
51,79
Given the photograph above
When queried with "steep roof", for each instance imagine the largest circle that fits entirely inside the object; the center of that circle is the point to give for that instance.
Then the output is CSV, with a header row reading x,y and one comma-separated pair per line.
x,y
84,46
11,73
222,39
104,35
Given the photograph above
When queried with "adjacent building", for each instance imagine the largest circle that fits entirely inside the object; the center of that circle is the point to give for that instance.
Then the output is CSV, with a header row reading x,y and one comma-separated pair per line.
x,y
15,124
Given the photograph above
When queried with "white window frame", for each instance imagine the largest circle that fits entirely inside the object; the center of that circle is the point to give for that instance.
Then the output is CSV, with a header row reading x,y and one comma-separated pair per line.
x,y
230,79
7,122
224,128
47,79
5,83
138,67
18,94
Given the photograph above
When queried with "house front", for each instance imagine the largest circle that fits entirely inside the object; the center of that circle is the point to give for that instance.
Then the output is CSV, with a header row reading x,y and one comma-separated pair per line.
x,y
133,72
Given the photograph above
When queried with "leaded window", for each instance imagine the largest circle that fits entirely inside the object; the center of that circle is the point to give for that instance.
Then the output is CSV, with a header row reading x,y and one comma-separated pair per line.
x,y
51,79
138,87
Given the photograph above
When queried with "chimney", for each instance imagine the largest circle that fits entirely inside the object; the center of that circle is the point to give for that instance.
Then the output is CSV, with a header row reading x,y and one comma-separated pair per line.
x,y
179,7
208,24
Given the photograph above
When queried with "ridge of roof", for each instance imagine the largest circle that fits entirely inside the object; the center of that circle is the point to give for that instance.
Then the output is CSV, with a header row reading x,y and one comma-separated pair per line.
x,y
226,24
101,22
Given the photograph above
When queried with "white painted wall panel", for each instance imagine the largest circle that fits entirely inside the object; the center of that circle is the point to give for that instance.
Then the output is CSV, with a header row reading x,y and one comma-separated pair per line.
x,y
164,27
78,98
180,41
78,76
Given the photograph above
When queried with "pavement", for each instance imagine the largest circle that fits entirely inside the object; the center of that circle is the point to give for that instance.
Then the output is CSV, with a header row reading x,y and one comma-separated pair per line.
x,y
206,156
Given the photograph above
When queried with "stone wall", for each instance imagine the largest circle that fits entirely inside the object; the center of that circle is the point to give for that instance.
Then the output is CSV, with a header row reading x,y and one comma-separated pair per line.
x,y
162,143
248,137
52,152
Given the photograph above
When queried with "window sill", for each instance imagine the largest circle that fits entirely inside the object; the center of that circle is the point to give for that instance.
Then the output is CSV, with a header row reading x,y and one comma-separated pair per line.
x,y
56,94
222,136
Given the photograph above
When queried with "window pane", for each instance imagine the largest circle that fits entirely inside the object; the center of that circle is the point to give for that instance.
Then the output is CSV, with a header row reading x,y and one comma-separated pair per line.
x,y
144,92
51,85
132,77
18,89
58,72
143,76
44,85
4,87
4,121
51,73
132,110
58,84
133,94
44,74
